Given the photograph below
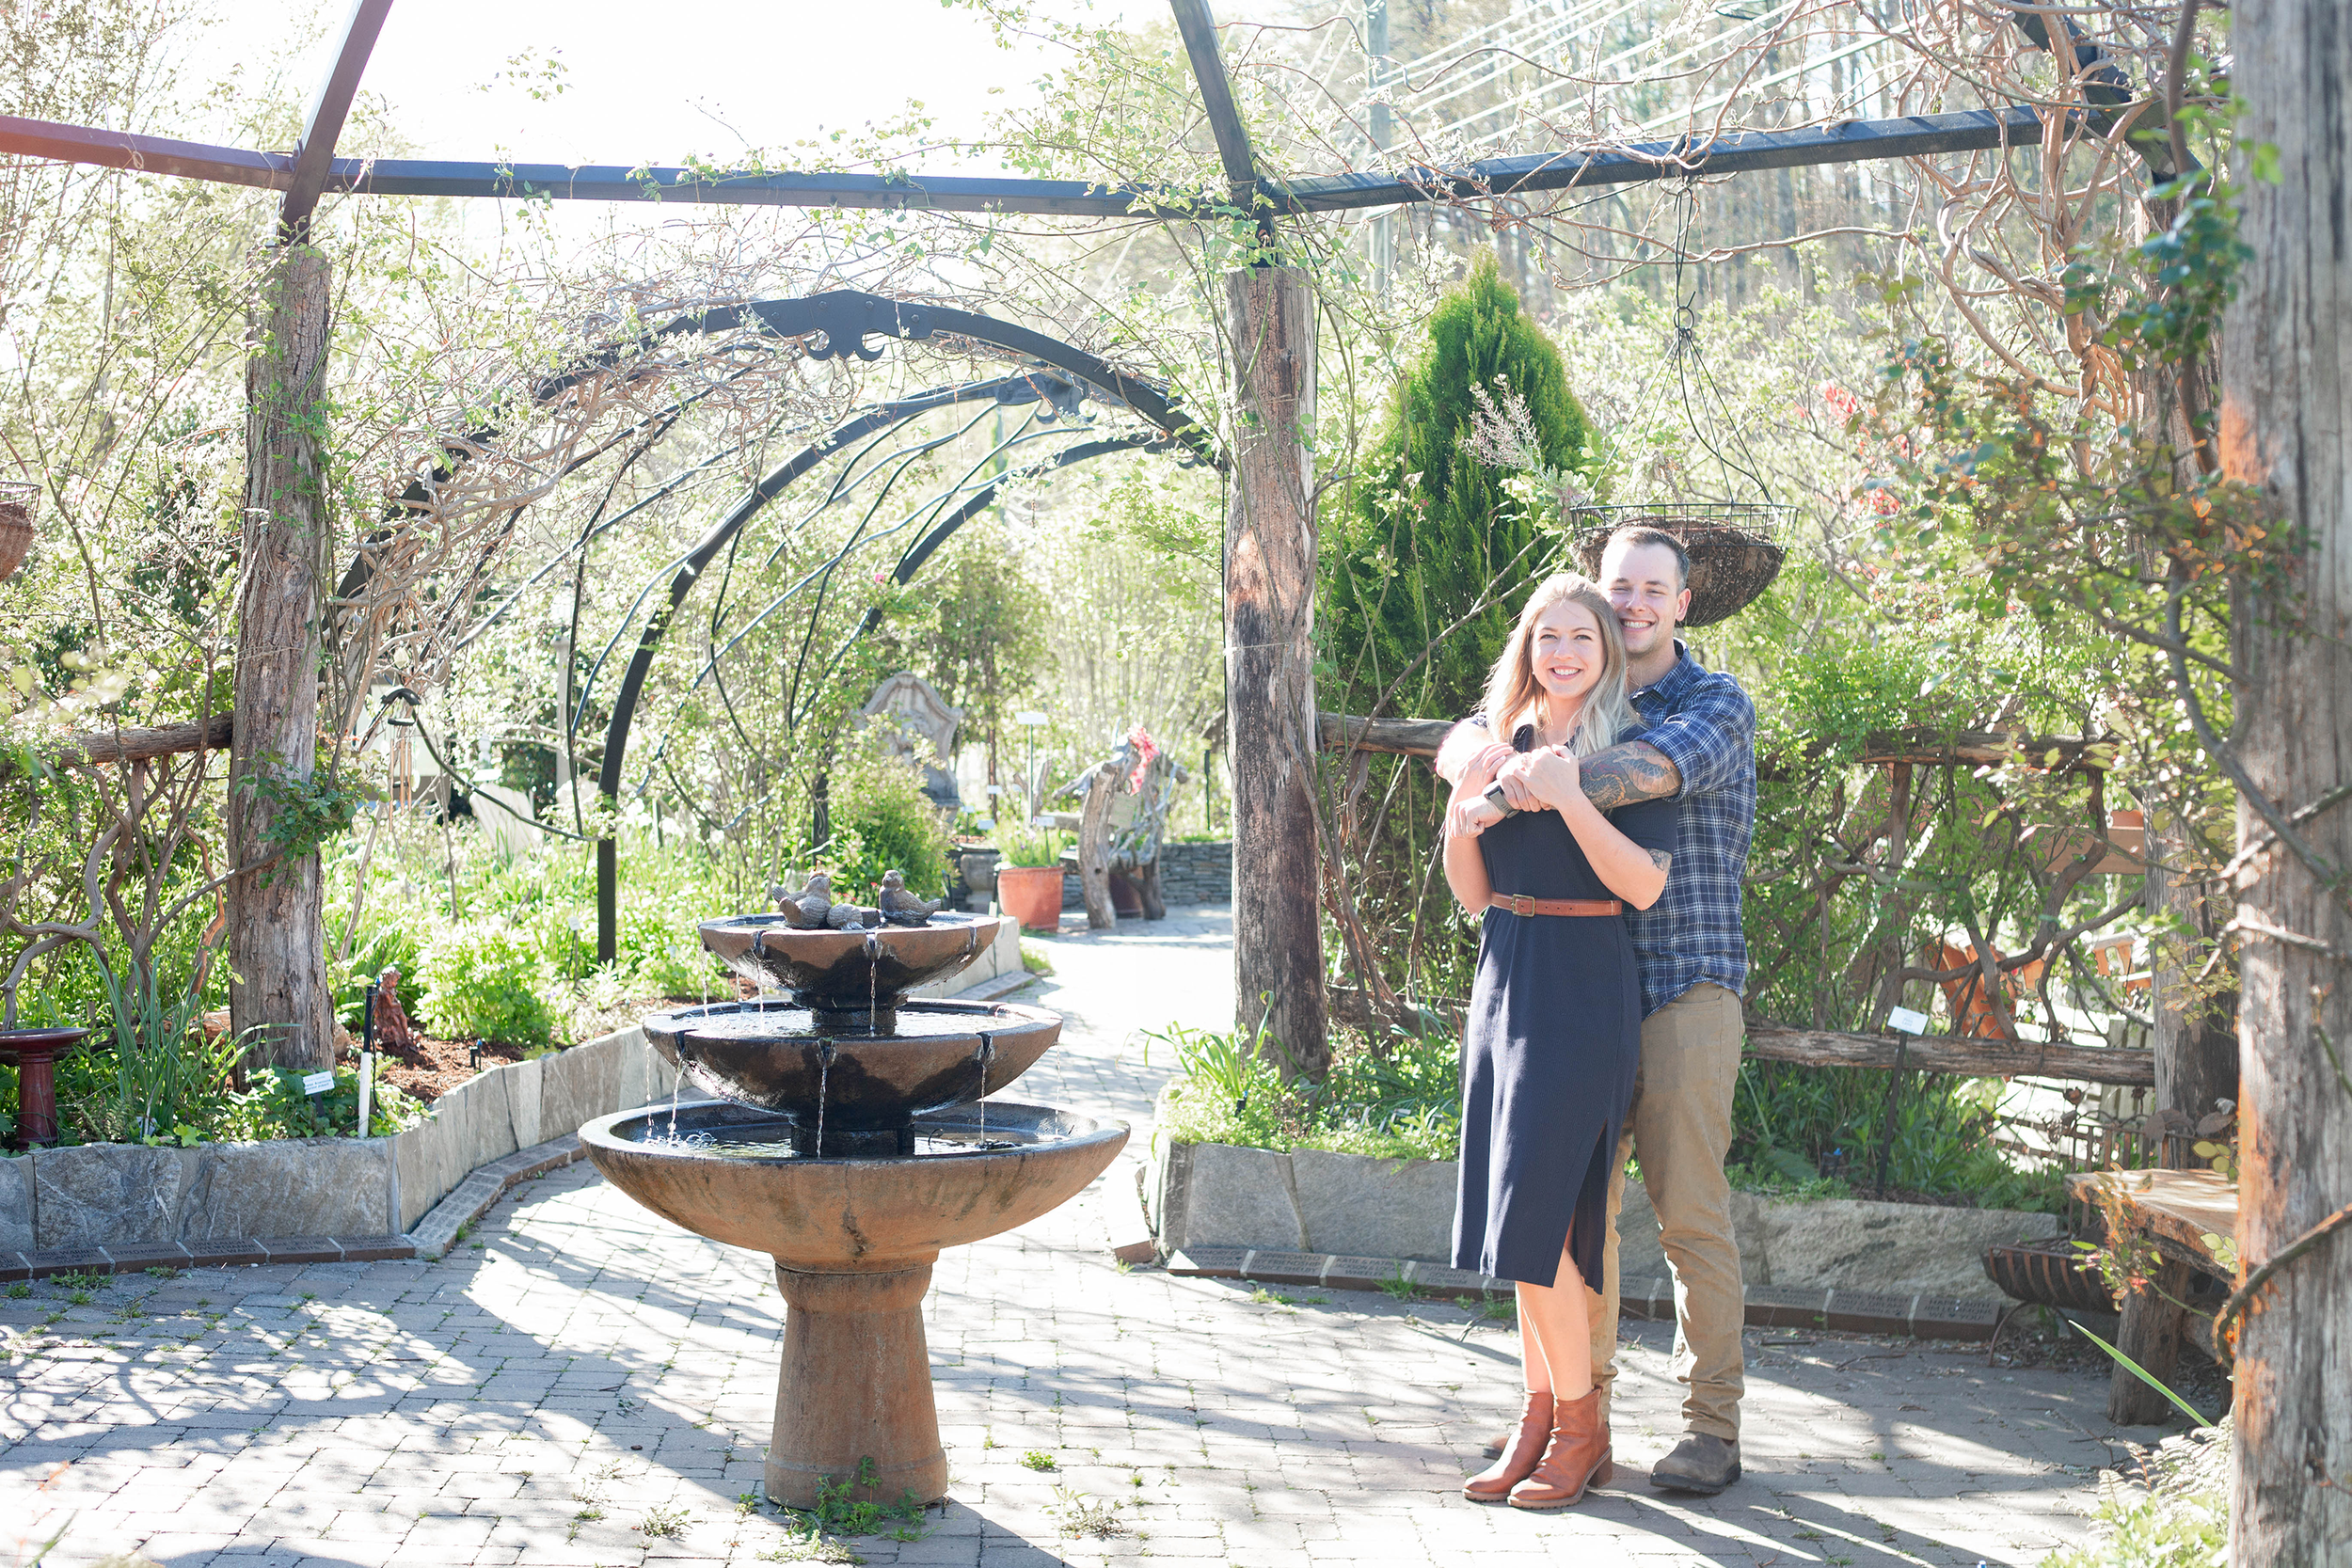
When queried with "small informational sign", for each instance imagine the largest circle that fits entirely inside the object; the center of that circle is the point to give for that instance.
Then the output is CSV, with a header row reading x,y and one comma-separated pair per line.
x,y
317,1082
1905,1021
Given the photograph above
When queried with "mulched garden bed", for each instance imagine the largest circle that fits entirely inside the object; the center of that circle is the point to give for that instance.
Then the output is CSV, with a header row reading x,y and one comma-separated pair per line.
x,y
439,1066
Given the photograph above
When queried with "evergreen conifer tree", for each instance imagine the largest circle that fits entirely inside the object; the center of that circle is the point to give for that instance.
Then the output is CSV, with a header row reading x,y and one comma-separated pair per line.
x,y
1432,529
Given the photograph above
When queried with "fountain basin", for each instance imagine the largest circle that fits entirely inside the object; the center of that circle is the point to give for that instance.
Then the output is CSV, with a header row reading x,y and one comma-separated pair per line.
x,y
866,1088
849,979
854,1241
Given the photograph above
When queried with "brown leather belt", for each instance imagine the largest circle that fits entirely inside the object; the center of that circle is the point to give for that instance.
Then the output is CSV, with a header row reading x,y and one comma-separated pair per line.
x,y
1519,903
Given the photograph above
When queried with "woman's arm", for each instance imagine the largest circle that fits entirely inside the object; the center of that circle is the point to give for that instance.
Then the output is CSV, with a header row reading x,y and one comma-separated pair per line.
x,y
1465,867
1625,868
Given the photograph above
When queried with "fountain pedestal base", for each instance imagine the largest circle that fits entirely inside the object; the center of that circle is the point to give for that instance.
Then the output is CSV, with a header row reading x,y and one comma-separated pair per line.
x,y
855,1384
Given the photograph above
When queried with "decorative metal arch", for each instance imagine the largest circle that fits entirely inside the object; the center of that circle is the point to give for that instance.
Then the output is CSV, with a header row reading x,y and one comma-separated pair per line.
x,y
831,326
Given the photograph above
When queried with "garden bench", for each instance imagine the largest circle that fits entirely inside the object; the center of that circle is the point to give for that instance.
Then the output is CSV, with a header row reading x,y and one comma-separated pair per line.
x,y
2175,1211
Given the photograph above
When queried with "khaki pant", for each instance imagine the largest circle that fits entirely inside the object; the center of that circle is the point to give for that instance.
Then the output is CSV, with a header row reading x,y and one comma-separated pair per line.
x,y
1680,1129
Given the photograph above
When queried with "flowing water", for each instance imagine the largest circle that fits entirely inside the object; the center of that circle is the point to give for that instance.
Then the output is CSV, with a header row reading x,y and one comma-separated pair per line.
x,y
774,1140
985,1055
826,1055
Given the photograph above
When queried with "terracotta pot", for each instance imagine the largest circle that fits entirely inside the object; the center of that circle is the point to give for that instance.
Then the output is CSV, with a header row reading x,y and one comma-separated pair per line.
x,y
1031,894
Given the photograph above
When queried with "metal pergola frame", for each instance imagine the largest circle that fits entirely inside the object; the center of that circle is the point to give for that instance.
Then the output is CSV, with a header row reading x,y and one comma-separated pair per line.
x,y
311,170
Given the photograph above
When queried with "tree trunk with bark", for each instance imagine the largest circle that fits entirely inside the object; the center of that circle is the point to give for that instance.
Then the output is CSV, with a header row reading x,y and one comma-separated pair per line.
x,y
277,944
1270,668
2195,1034
2286,423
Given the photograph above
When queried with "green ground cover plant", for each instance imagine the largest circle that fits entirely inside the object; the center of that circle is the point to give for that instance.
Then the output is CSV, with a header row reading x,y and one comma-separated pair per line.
x,y
1399,1097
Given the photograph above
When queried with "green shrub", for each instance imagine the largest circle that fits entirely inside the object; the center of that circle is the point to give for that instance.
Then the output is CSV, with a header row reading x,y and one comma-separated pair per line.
x,y
275,1107
487,978
882,821
1786,1117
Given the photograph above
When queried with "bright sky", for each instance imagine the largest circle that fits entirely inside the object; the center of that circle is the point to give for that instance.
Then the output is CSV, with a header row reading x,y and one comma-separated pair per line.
x,y
652,83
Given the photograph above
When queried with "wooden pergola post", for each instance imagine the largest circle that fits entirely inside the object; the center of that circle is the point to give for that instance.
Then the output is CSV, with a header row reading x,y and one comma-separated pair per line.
x,y
277,948
2286,427
1269,665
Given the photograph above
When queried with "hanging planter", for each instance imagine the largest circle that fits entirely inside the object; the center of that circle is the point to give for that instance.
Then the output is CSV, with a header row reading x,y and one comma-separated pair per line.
x,y
18,498
1736,549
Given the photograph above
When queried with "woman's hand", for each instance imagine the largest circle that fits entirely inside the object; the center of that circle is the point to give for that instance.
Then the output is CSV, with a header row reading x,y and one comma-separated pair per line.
x,y
1550,775
1469,813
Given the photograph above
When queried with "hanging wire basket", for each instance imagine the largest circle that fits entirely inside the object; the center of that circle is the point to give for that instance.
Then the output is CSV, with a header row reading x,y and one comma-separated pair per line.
x,y
1737,547
18,498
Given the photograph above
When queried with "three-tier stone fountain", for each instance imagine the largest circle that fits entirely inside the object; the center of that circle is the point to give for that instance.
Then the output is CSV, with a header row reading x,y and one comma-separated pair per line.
x,y
849,1139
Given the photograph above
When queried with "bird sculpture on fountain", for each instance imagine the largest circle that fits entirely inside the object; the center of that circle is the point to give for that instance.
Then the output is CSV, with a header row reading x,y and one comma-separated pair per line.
x,y
806,909
901,908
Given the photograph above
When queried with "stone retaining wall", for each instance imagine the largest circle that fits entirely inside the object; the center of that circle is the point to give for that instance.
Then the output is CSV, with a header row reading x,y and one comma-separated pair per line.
x,y
101,1194
1212,1195
1201,873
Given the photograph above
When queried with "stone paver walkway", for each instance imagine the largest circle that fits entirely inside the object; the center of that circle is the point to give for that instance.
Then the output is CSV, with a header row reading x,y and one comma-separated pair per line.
x,y
580,1383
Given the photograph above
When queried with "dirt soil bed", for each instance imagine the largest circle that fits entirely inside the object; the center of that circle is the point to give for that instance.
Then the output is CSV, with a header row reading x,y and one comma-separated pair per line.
x,y
439,1066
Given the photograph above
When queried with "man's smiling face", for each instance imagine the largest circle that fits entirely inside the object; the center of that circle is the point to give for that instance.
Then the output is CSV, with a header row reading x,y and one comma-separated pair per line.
x,y
1643,582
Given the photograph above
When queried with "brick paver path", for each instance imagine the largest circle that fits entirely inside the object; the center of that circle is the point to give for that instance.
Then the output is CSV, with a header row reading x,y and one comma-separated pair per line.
x,y
580,1370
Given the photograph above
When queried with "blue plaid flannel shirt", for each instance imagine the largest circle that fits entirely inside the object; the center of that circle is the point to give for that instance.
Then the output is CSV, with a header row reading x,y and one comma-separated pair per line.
x,y
1706,726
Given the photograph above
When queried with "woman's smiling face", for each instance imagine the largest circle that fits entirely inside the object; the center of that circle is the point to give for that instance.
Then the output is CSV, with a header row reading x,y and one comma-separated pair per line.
x,y
1566,650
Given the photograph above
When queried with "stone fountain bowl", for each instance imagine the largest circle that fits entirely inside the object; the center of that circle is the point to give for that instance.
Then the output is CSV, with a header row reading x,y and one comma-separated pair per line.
x,y
847,970
853,1214
772,1055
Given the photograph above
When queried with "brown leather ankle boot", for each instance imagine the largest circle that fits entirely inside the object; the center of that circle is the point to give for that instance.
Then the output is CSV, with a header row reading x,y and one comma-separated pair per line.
x,y
1519,1455
1578,1456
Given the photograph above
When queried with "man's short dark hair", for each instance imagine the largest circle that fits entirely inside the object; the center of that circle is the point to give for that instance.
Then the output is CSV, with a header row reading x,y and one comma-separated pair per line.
x,y
1640,536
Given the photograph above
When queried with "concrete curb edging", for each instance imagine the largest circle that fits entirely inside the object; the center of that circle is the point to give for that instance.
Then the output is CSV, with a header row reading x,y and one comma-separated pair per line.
x,y
244,1252
1921,1316
483,1187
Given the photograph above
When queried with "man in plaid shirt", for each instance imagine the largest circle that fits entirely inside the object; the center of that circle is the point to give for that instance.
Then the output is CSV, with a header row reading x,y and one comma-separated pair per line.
x,y
1700,749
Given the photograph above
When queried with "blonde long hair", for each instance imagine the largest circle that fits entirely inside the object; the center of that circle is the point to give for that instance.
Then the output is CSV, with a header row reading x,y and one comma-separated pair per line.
x,y
1514,696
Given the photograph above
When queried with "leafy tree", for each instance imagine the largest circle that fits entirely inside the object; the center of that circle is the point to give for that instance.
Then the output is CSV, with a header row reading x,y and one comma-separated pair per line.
x,y
981,639
1437,534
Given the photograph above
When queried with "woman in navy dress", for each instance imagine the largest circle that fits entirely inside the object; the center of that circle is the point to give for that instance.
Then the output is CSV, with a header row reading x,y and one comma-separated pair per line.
x,y
1553,1034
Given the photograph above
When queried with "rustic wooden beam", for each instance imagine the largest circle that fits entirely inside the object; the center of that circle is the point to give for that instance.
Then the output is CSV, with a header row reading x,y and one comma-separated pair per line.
x,y
1967,1055
135,743
1918,746
1973,1057
1411,737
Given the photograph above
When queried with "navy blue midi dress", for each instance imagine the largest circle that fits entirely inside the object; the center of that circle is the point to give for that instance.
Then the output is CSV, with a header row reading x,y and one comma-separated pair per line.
x,y
1550,1048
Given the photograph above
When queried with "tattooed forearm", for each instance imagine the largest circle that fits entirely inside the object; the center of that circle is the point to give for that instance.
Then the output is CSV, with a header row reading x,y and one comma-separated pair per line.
x,y
1662,860
1624,774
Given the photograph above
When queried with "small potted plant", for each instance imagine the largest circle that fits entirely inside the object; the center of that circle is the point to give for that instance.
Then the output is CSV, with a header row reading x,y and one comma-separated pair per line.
x,y
1029,879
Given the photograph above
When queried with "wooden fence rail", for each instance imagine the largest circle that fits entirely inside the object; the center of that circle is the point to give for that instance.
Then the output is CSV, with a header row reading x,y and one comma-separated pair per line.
x,y
1918,745
130,744
1774,1042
